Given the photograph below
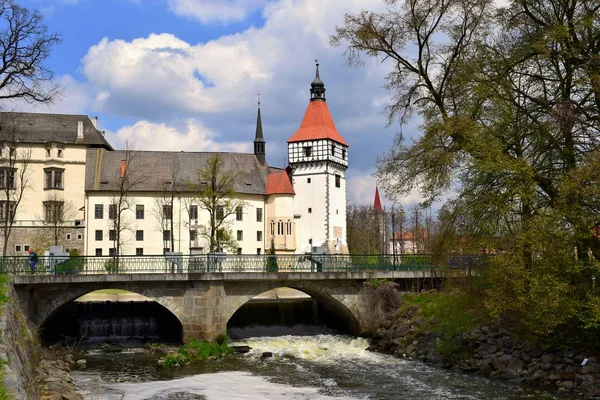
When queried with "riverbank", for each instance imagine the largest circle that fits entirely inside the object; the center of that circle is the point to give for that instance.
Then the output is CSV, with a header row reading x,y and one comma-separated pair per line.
x,y
27,370
419,331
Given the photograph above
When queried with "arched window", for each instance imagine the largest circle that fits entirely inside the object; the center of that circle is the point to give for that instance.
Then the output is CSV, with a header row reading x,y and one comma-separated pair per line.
x,y
289,227
280,227
272,228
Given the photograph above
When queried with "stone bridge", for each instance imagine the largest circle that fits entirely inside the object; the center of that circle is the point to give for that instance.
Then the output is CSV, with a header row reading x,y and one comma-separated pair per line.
x,y
204,302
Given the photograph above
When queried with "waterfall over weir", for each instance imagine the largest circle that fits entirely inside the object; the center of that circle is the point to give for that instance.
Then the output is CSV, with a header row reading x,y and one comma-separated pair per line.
x,y
101,321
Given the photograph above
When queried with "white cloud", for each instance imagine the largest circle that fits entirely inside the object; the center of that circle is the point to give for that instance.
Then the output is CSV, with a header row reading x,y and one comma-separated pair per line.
x,y
224,11
189,135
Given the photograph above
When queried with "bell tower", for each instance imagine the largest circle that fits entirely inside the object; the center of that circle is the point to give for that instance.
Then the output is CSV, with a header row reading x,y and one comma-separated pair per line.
x,y
318,156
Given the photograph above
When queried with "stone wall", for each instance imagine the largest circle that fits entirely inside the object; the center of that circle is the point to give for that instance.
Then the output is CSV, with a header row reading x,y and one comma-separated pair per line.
x,y
18,350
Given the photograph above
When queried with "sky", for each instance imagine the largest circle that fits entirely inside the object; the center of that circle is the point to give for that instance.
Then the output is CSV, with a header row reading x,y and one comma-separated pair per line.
x,y
184,75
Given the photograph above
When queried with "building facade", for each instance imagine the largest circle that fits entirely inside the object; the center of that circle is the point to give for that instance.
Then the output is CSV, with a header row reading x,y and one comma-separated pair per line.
x,y
130,202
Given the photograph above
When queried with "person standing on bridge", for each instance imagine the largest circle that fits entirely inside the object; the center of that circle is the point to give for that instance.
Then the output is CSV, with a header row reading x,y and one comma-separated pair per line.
x,y
33,259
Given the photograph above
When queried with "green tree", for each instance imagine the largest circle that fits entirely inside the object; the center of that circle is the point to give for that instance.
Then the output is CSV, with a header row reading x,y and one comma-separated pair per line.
x,y
272,265
214,192
510,110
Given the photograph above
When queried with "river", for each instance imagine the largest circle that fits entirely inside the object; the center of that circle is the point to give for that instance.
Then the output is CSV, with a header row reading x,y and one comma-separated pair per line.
x,y
308,363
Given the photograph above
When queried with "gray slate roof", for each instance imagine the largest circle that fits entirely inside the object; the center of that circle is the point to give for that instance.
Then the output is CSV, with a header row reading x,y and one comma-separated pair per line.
x,y
57,128
155,169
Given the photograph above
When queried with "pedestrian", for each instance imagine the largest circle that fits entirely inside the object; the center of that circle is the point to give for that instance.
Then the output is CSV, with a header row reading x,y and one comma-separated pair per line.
x,y
33,259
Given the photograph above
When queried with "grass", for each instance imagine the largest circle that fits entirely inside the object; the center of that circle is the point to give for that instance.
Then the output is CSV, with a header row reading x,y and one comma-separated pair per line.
x,y
111,291
196,350
449,313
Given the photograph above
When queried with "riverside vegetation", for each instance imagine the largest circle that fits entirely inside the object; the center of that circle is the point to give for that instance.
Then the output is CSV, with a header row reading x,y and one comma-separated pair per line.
x,y
450,330
509,103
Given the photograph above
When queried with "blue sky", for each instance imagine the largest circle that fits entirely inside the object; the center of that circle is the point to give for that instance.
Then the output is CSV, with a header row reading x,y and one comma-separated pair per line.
x,y
184,74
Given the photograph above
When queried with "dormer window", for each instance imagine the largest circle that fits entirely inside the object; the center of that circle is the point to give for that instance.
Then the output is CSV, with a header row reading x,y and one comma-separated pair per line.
x,y
307,151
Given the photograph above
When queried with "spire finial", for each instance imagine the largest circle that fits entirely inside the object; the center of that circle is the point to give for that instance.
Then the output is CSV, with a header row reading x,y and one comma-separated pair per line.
x,y
258,101
317,87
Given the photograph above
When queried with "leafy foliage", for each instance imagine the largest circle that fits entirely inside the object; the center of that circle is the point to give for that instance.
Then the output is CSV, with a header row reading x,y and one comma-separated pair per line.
x,y
510,105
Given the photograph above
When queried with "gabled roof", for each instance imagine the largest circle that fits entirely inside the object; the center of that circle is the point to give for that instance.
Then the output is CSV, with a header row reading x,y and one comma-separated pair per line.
x,y
53,128
279,182
317,124
103,167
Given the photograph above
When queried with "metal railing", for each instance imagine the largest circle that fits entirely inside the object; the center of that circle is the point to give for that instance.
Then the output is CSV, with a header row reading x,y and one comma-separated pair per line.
x,y
216,263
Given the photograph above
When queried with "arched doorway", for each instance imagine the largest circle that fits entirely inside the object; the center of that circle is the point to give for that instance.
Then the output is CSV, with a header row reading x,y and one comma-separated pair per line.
x,y
113,315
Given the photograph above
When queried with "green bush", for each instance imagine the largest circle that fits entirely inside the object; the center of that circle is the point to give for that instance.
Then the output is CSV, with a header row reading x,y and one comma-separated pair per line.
x,y
71,266
196,350
111,266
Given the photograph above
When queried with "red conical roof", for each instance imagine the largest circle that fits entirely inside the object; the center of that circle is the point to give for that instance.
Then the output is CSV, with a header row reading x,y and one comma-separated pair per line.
x,y
317,124
377,202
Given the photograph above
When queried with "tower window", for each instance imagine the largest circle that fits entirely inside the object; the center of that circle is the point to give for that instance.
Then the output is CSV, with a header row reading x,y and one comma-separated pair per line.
x,y
309,210
307,151
338,181
343,154
307,180
333,149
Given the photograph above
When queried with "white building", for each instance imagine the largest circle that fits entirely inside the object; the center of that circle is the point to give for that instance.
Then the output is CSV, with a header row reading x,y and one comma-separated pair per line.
x,y
47,154
300,208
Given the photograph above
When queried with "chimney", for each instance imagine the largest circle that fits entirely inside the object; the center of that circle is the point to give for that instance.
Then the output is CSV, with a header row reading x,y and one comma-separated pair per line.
x,y
79,129
123,168
95,122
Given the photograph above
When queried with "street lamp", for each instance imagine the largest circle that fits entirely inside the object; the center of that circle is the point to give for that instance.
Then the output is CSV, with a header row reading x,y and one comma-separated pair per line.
x,y
394,230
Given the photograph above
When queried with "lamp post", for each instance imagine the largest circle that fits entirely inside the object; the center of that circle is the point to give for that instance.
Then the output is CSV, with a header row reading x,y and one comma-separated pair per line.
x,y
394,230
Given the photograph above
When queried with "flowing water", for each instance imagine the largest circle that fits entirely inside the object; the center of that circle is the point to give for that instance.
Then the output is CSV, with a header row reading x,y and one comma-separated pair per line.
x,y
308,363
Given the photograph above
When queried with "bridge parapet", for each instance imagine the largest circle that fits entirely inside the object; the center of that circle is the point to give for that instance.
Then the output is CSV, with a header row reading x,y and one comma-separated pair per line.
x,y
210,263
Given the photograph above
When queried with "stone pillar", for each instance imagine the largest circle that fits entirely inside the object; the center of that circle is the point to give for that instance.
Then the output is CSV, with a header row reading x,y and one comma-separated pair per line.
x,y
204,315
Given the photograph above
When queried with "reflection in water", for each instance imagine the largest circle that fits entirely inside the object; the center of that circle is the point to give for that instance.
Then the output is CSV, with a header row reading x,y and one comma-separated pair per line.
x,y
322,366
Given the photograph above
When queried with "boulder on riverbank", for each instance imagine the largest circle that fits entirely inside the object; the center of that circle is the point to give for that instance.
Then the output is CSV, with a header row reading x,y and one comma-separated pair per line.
x,y
489,350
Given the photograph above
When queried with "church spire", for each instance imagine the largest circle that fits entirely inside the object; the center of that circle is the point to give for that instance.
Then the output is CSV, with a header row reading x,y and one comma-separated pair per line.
x,y
317,87
259,140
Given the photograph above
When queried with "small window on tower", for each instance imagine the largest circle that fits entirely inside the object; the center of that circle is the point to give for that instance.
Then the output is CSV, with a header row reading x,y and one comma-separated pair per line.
x,y
307,180
309,210
343,154
338,181
333,149
307,151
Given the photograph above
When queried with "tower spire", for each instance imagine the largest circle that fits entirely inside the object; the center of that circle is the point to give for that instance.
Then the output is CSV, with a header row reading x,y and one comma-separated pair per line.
x,y
259,140
317,87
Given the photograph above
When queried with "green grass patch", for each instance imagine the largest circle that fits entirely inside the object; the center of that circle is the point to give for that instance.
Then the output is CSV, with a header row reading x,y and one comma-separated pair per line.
x,y
111,291
196,350
449,313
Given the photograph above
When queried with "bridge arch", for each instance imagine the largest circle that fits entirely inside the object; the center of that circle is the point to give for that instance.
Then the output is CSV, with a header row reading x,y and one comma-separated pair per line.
x,y
49,312
344,307
75,292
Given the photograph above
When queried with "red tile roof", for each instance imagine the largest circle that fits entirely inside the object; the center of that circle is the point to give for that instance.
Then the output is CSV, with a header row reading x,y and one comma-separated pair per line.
x,y
377,202
279,183
317,124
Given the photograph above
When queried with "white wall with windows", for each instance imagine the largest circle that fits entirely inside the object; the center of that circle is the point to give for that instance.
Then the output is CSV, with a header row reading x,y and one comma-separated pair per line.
x,y
147,231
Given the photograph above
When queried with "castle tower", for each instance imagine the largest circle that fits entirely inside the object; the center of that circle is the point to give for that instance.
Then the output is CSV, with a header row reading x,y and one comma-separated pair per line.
x,y
318,156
